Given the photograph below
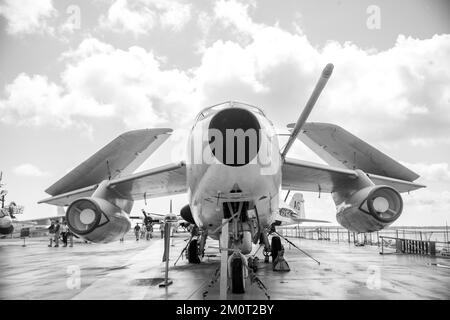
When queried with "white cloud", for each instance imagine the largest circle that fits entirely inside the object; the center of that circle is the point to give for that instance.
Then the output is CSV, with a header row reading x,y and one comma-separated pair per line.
x,y
132,83
204,22
141,16
233,13
431,172
29,170
402,92
123,17
27,16
32,100
174,15
430,198
35,101
101,81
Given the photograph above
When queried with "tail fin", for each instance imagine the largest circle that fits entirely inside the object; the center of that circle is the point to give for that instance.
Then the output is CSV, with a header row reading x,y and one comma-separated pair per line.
x,y
298,204
294,212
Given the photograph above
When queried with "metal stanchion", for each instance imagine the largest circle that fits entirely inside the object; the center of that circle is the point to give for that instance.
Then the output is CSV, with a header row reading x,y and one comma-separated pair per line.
x,y
224,260
167,228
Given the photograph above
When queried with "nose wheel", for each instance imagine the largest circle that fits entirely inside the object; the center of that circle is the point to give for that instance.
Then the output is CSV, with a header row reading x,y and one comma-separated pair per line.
x,y
237,272
192,252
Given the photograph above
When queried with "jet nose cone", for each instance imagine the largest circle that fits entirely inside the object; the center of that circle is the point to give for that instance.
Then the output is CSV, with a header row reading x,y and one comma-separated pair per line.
x,y
234,136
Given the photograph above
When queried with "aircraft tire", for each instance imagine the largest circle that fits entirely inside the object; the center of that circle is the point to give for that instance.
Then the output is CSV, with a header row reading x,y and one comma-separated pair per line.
x,y
237,276
276,247
193,252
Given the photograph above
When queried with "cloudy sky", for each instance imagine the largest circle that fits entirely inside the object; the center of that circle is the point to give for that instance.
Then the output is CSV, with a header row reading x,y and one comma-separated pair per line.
x,y
76,74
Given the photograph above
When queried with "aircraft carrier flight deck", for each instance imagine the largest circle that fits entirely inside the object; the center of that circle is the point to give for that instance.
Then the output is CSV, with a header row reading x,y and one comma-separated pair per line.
x,y
133,270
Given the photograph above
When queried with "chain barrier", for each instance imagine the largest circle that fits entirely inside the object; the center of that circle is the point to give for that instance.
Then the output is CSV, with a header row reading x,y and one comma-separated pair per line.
x,y
212,282
254,279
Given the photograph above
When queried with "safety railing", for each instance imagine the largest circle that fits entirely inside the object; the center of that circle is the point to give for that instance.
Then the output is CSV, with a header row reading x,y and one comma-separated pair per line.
x,y
409,246
433,241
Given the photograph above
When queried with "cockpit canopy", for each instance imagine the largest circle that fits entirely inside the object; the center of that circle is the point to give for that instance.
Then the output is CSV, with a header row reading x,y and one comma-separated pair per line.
x,y
207,112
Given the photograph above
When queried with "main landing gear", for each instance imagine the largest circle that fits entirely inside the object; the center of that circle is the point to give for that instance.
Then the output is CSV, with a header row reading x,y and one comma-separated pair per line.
x,y
192,252
278,261
196,247
275,250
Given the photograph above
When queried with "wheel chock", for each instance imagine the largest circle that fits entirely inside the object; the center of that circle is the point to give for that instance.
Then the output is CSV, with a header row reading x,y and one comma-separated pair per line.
x,y
280,264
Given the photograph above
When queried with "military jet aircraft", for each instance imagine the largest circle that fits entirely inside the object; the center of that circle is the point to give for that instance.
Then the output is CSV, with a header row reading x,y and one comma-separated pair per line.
x,y
10,224
234,174
294,212
159,218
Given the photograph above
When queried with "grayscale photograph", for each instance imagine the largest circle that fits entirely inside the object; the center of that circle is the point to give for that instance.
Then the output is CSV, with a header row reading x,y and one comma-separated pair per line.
x,y
199,152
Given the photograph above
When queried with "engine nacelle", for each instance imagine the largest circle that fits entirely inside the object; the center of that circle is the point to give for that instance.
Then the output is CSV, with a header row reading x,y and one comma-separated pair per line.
x,y
97,220
370,209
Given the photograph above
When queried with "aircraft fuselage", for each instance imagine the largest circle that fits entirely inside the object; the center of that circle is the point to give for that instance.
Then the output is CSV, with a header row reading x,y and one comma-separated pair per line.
x,y
233,156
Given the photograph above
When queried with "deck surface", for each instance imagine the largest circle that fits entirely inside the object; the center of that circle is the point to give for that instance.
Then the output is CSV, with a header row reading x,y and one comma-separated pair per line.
x,y
133,270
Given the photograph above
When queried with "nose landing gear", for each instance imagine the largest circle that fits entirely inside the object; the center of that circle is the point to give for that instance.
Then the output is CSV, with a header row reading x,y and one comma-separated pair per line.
x,y
237,271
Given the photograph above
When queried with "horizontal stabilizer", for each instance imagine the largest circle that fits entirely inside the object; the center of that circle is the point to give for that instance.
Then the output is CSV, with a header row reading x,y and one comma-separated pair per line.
x,y
340,148
120,157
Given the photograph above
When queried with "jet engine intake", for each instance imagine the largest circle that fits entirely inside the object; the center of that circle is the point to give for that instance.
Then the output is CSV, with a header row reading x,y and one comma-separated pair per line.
x,y
240,136
97,220
370,209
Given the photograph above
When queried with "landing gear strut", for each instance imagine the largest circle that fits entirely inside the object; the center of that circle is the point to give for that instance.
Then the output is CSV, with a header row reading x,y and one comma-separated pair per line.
x,y
267,251
196,246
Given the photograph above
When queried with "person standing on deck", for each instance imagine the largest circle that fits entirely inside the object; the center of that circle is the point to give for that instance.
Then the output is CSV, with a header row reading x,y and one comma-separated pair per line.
x,y
137,228
51,232
64,231
57,233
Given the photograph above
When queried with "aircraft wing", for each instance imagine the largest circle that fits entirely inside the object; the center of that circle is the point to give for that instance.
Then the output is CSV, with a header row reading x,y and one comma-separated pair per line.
x,y
338,147
157,182
153,183
302,175
399,185
67,198
118,158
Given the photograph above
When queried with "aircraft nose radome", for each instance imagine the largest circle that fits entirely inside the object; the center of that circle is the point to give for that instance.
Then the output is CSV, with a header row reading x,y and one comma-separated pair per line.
x,y
239,139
